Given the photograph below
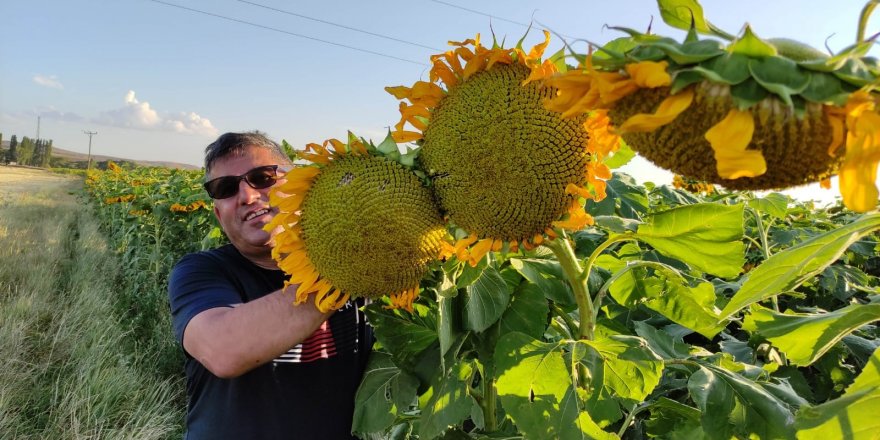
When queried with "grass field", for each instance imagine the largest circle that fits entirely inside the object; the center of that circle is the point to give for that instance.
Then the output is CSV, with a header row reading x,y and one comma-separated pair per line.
x,y
68,368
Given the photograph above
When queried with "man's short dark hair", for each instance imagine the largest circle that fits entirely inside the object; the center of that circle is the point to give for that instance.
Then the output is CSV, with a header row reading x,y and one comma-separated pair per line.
x,y
236,143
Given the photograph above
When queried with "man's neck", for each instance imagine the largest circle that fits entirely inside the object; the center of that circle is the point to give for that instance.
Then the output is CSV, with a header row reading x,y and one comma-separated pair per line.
x,y
263,260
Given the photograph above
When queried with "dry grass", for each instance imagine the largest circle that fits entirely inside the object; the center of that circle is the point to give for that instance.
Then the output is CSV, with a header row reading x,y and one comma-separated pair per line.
x,y
68,370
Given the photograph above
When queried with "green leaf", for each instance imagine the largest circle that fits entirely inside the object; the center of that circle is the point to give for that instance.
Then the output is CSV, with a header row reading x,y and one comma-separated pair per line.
x,y
674,421
804,337
706,236
825,88
449,402
781,76
764,414
405,335
665,345
692,307
750,45
620,157
628,367
748,93
682,13
689,52
715,398
547,275
384,390
527,313
773,204
630,198
388,145
448,321
852,416
730,68
485,300
534,386
786,270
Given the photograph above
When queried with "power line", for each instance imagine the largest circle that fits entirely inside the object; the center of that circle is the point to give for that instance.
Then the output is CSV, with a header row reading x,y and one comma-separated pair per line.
x,y
494,17
289,33
341,26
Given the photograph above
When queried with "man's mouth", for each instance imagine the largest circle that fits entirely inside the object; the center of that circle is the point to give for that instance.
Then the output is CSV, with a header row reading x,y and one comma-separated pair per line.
x,y
256,213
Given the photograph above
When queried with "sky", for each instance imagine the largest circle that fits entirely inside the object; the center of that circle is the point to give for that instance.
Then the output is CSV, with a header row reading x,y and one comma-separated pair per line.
x,y
160,79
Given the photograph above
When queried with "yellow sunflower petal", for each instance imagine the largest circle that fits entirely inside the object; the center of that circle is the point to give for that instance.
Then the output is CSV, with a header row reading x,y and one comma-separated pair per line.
x,y
729,139
859,170
649,74
667,111
479,250
404,136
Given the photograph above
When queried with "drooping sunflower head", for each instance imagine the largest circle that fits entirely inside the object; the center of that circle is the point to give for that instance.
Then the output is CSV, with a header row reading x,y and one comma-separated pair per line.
x,y
356,223
751,114
504,168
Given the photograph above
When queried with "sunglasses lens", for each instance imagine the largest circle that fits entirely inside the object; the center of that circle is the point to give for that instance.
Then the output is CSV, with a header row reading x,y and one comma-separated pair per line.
x,y
227,186
223,187
261,178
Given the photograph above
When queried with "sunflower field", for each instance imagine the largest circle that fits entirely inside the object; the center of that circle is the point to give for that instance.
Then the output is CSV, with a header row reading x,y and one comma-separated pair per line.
x,y
519,288
152,217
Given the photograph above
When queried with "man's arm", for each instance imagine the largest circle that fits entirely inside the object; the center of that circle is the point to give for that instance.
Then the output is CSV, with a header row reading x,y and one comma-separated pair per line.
x,y
230,341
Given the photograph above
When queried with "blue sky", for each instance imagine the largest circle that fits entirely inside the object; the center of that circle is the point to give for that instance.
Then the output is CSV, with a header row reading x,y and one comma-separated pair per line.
x,y
158,82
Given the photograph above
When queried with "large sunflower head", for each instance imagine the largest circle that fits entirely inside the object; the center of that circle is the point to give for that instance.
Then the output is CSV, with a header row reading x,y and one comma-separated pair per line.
x,y
356,223
504,168
751,114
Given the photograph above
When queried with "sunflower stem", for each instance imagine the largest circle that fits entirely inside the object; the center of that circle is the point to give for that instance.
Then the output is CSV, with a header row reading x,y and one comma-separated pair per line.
x,y
765,247
561,247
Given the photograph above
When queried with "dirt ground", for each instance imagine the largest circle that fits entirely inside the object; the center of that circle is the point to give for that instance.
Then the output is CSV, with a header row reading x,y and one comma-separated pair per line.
x,y
19,181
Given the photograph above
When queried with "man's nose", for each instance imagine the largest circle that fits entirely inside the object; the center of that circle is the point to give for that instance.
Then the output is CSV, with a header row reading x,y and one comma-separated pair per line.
x,y
246,194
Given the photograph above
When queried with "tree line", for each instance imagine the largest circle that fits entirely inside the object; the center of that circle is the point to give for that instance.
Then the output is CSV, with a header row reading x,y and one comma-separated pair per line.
x,y
34,152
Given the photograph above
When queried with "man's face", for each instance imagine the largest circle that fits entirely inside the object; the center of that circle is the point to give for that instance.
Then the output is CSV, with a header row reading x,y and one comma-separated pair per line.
x,y
243,215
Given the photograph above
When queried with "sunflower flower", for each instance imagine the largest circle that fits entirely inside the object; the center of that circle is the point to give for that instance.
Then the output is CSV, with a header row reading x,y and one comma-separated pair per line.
x,y
755,114
506,171
355,223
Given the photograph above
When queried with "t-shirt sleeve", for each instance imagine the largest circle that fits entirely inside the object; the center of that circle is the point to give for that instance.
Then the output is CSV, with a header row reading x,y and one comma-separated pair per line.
x,y
198,283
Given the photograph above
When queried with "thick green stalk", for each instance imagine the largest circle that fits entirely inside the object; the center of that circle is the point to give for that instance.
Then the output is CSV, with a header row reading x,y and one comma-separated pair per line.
x,y
863,19
561,247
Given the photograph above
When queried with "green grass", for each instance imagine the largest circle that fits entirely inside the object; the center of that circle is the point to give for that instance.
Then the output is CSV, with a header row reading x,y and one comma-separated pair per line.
x,y
69,368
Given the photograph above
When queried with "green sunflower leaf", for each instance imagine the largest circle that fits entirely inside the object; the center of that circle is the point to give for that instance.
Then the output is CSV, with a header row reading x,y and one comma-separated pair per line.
x,y
773,204
683,14
852,416
788,269
730,68
547,275
804,337
763,414
715,399
527,313
485,300
856,72
750,45
707,236
780,76
535,389
405,335
681,79
388,145
674,420
689,53
448,402
384,391
748,93
625,365
620,157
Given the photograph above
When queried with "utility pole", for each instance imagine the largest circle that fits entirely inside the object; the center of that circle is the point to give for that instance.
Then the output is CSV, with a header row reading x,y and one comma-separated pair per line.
x,y
90,133
38,127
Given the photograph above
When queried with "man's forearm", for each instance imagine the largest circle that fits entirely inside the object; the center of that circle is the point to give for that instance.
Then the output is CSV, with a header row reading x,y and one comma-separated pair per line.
x,y
232,341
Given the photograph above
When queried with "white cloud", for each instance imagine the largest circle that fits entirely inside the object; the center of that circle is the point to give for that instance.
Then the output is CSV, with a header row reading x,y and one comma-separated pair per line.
x,y
140,115
50,81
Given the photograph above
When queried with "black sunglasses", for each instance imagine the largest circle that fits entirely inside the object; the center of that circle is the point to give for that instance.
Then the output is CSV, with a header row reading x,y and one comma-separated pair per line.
x,y
227,186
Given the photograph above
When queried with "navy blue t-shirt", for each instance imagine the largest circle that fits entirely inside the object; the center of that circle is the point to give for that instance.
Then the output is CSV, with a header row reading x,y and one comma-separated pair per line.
x,y
307,393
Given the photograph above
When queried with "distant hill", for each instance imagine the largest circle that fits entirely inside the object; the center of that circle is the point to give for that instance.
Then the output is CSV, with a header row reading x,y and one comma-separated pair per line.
x,y
72,156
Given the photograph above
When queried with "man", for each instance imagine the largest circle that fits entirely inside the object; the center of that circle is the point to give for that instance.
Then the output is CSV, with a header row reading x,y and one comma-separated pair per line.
x,y
258,367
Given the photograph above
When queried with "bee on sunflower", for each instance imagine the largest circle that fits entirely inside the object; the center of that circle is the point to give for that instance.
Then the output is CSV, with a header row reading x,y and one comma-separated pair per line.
x,y
752,114
505,170
356,223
